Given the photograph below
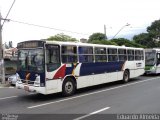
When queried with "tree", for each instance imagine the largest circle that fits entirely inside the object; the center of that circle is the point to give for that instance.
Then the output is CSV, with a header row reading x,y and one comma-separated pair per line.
x,y
126,42
61,37
149,39
154,29
97,36
145,39
6,46
10,44
103,42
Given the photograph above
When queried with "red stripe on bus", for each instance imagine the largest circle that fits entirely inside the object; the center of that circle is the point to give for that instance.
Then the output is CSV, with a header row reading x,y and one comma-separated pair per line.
x,y
60,73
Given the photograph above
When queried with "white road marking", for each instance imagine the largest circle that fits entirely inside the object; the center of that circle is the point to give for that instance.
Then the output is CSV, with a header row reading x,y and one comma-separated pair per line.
x,y
40,105
95,112
8,97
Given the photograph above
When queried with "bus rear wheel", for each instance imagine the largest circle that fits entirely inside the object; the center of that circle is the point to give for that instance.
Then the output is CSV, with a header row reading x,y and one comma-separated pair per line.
x,y
68,87
126,76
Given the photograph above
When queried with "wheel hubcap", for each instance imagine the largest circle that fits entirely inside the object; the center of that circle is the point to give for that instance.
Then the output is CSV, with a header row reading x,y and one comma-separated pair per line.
x,y
69,87
126,77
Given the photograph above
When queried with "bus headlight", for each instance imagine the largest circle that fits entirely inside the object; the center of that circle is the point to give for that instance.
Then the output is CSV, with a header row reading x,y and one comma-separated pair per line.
x,y
153,68
37,81
18,78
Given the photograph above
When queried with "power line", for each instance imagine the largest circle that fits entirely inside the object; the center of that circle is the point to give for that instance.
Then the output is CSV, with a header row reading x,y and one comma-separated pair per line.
x,y
8,13
46,27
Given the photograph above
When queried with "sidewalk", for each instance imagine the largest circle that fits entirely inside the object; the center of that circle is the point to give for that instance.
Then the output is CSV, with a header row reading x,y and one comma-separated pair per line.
x,y
4,85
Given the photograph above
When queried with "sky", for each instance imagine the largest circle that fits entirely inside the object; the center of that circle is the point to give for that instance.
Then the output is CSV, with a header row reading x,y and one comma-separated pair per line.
x,y
81,17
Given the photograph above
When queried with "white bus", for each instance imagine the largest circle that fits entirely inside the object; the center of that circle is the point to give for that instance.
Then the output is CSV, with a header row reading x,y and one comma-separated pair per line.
x,y
50,66
152,61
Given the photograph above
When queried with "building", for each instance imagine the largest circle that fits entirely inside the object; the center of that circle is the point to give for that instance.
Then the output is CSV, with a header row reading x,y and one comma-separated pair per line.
x,y
83,40
10,53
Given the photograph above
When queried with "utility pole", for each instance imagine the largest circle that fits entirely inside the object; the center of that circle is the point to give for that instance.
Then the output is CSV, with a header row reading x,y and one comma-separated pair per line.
x,y
105,32
1,44
1,54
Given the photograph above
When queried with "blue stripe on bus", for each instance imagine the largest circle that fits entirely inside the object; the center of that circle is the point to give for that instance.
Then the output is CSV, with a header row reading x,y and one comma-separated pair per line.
x,y
32,77
99,68
69,69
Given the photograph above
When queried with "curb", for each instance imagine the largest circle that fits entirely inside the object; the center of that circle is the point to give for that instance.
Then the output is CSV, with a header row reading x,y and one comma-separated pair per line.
x,y
5,85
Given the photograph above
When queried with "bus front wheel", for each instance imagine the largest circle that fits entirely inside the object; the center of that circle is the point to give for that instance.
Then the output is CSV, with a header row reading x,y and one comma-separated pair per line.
x,y
126,76
68,87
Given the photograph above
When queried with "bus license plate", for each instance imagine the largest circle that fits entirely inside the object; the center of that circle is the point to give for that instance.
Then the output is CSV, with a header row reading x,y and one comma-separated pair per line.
x,y
26,88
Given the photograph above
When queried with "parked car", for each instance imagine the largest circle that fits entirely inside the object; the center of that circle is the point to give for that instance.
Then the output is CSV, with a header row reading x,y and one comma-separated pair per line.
x,y
12,79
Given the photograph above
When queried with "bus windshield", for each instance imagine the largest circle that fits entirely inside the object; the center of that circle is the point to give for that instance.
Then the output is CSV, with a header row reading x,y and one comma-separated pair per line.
x,y
31,60
150,58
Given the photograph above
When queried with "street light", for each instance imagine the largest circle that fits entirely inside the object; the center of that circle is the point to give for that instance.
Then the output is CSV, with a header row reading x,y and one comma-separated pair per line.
x,y
120,30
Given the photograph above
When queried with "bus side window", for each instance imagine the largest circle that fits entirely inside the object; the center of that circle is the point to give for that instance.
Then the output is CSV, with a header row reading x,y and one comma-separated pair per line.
x,y
112,55
85,54
130,54
122,54
100,54
69,54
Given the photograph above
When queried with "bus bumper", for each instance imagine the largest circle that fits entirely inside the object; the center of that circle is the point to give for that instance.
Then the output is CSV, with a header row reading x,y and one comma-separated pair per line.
x,y
30,88
150,72
26,87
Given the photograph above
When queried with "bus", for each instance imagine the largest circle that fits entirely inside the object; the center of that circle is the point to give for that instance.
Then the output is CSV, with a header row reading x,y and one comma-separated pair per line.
x,y
48,67
152,61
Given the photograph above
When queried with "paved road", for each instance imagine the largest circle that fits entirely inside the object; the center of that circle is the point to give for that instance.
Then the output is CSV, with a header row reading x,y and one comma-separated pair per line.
x,y
139,96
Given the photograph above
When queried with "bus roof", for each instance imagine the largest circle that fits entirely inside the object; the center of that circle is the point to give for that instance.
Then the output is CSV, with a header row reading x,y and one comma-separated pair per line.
x,y
88,44
79,44
152,49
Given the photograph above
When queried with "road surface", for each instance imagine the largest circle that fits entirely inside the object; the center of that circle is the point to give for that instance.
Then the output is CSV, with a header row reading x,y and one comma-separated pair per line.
x,y
137,97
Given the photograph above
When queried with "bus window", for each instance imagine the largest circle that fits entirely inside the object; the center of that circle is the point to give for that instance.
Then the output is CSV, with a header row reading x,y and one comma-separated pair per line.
x,y
122,54
32,60
85,54
112,54
52,57
150,58
130,55
69,54
138,55
100,54
99,50
22,64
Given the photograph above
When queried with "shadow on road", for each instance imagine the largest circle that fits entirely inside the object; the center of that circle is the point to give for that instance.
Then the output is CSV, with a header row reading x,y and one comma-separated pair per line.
x,y
57,96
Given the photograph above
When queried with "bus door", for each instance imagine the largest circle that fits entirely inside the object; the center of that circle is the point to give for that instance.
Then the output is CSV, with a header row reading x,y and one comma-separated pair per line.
x,y
52,64
158,63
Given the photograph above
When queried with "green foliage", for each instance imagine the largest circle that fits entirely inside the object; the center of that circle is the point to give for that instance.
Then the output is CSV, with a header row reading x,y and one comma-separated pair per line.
x,y
97,36
126,42
148,39
8,45
145,39
154,29
61,37
103,42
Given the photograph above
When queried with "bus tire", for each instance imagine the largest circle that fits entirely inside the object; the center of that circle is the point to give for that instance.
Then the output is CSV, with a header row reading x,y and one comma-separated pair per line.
x,y
125,76
68,87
